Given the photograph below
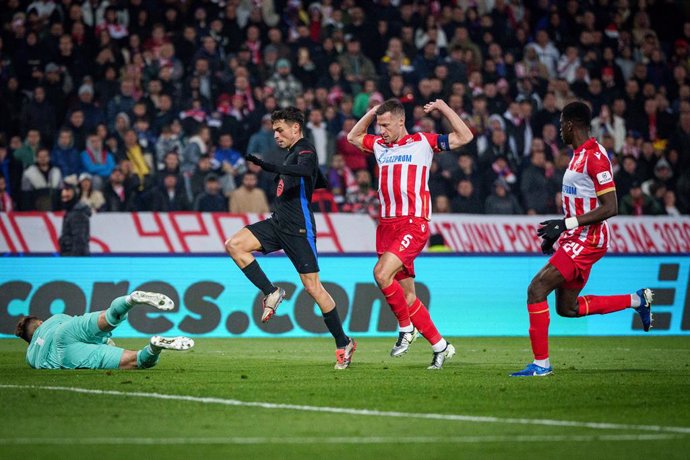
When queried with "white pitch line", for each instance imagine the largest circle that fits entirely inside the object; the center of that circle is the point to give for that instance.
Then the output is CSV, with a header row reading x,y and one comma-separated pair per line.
x,y
335,440
367,412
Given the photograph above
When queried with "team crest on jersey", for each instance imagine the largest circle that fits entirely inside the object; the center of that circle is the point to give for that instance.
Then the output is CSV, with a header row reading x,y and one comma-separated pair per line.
x,y
281,186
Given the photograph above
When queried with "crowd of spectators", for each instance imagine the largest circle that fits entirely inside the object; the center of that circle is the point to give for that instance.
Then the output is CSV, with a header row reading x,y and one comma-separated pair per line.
x,y
152,105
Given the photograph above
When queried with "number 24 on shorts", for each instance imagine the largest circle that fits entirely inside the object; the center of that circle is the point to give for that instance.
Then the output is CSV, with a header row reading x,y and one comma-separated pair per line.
x,y
574,248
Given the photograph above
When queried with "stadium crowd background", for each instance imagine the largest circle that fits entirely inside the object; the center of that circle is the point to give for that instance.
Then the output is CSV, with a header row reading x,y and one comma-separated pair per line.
x,y
152,105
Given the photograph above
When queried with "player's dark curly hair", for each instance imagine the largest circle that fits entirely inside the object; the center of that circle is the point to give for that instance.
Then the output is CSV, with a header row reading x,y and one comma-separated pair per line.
x,y
289,115
26,327
578,113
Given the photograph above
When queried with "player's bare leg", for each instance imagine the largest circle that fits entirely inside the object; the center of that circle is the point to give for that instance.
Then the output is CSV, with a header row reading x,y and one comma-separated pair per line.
x,y
240,248
345,346
421,320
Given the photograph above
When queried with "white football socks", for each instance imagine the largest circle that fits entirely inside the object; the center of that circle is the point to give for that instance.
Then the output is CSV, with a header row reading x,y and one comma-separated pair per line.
x,y
542,362
439,346
635,300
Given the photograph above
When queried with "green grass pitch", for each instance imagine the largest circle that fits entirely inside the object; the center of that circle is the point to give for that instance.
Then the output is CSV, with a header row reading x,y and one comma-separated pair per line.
x,y
621,382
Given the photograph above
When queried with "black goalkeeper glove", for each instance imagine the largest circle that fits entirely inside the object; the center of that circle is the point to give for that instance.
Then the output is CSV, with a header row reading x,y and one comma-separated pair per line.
x,y
551,229
547,246
261,163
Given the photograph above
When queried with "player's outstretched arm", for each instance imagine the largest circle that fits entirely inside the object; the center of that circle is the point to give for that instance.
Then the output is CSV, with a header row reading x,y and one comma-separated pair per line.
x,y
298,170
356,135
461,134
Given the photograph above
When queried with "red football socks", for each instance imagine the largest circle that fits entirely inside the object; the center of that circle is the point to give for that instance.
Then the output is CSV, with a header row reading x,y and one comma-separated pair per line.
x,y
422,321
395,296
602,304
539,329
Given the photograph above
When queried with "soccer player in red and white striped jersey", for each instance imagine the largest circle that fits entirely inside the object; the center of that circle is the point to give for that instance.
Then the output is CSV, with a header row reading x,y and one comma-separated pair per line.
x,y
589,198
404,161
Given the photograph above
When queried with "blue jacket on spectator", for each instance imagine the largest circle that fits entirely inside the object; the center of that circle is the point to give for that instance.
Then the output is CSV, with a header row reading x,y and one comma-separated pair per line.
x,y
68,160
93,165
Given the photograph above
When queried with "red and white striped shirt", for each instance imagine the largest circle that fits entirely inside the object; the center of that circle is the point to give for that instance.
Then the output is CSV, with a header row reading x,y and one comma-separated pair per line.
x,y
588,176
404,173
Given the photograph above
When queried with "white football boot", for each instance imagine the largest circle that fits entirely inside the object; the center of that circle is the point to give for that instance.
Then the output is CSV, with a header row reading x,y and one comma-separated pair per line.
x,y
172,343
154,299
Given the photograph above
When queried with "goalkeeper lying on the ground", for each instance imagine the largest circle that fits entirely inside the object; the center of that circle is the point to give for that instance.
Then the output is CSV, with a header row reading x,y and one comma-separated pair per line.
x,y
82,342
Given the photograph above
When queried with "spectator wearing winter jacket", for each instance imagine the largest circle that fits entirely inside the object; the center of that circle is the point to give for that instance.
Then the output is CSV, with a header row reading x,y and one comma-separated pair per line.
x,y
76,231
65,156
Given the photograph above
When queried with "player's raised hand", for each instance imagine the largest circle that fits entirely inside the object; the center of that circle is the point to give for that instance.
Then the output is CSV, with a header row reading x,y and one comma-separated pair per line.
x,y
551,229
254,159
438,104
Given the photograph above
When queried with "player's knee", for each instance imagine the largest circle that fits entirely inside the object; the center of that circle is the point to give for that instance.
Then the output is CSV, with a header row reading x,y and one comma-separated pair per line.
x,y
312,287
535,292
567,310
410,297
233,246
381,276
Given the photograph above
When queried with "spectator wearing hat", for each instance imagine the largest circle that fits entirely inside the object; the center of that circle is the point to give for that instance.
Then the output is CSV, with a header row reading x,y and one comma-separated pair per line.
x,y
663,175
501,201
93,115
65,155
211,199
40,183
284,86
638,203
94,199
76,228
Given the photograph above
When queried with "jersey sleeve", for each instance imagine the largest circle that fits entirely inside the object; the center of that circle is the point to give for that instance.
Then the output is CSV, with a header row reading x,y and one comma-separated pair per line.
x,y
432,138
599,170
369,141
307,158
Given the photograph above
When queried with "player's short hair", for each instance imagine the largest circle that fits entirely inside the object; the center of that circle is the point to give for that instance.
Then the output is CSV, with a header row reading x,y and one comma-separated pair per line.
x,y
289,115
393,106
578,113
26,327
